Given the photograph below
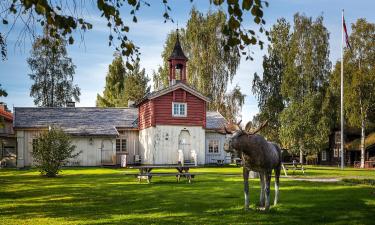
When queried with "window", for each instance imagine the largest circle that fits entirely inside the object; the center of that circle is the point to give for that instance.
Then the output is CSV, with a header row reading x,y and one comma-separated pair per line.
x,y
121,145
324,155
179,109
213,146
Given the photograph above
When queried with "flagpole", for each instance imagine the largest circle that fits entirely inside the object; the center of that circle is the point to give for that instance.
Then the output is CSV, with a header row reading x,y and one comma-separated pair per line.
x,y
342,92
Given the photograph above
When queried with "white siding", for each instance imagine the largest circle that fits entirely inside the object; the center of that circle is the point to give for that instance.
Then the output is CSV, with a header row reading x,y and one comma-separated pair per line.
x,y
159,145
221,155
91,150
132,145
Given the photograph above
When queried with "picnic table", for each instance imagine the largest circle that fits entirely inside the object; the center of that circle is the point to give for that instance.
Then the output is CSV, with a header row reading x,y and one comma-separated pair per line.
x,y
145,172
294,165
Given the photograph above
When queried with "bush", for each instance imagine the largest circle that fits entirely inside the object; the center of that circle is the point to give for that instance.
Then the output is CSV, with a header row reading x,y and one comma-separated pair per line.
x,y
52,150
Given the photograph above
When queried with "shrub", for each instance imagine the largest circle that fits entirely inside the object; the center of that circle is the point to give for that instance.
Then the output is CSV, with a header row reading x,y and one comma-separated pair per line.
x,y
52,150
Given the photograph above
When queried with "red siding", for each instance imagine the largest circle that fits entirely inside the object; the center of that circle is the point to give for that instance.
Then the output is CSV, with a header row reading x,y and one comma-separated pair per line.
x,y
196,111
158,111
145,115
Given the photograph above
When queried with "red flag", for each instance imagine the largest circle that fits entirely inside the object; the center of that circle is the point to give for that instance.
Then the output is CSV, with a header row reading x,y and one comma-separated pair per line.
x,y
346,35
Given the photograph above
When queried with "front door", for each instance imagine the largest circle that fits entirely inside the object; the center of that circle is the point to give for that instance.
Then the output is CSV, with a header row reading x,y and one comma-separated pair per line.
x,y
184,143
108,155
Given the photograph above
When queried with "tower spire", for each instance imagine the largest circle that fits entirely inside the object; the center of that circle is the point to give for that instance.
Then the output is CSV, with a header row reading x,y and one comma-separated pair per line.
x,y
177,63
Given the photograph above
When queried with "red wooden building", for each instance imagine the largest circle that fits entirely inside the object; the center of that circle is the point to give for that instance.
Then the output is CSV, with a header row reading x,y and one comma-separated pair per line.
x,y
175,118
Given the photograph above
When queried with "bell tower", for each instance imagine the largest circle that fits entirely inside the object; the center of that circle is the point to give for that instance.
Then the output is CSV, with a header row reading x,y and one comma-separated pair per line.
x,y
177,64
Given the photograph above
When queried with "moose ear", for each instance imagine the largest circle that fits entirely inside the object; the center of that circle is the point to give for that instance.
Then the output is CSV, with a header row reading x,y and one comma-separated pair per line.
x,y
248,126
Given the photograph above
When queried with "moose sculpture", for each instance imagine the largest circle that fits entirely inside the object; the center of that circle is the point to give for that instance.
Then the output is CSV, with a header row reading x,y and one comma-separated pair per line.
x,y
258,155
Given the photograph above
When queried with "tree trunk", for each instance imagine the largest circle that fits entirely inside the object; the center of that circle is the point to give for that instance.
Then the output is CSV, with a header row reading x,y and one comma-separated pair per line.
x,y
363,135
301,154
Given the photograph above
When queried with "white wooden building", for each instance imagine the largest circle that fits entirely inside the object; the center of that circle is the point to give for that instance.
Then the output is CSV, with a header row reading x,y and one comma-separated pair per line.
x,y
168,126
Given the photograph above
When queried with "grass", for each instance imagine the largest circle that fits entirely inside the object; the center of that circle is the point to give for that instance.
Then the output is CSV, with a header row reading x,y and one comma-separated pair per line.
x,y
107,196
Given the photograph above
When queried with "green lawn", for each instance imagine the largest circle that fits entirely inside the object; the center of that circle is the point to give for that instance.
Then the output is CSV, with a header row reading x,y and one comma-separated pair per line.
x,y
107,196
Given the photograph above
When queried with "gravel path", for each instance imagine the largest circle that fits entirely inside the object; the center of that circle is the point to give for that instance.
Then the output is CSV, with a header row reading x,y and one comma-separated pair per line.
x,y
325,180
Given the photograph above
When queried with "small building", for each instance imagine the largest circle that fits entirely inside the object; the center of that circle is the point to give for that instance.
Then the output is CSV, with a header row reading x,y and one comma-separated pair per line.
x,y
352,148
7,138
167,126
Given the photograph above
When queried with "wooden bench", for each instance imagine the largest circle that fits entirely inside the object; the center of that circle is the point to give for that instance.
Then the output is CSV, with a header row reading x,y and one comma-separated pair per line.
x,y
294,165
145,172
148,176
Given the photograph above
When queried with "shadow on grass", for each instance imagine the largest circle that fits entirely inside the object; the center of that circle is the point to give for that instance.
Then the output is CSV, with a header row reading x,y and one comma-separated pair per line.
x,y
112,198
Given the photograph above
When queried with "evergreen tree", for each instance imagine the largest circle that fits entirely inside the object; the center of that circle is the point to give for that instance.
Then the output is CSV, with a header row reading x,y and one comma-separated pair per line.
x,y
52,72
114,85
136,84
123,84
359,78
210,67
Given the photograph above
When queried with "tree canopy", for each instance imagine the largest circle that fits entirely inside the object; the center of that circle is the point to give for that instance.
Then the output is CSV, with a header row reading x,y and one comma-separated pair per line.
x,y
267,87
210,67
292,93
123,84
53,73
66,17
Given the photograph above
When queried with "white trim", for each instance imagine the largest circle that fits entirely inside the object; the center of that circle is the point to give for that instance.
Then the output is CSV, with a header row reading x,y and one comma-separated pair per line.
x,y
178,86
179,103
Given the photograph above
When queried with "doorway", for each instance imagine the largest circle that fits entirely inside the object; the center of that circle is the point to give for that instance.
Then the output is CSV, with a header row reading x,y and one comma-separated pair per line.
x,y
108,157
184,143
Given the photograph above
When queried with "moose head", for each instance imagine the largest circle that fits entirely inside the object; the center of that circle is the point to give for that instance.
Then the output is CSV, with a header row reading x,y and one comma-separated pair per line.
x,y
233,142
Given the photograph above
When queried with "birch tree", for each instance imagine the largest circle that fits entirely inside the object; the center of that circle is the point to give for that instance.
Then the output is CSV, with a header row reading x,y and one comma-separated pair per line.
x,y
359,78
304,126
53,73
267,88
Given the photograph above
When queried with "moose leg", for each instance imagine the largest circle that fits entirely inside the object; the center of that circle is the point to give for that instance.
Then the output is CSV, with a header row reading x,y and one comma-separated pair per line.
x,y
267,189
261,199
245,174
277,181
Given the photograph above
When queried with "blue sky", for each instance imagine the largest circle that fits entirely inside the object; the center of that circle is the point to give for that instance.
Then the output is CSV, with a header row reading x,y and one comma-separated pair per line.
x,y
93,56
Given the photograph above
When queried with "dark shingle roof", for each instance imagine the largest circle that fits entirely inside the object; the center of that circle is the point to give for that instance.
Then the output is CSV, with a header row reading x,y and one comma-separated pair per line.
x,y
82,121
88,121
215,121
177,52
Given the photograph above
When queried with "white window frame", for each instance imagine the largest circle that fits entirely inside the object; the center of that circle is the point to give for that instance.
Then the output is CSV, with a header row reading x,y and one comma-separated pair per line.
x,y
121,149
213,144
179,112
324,155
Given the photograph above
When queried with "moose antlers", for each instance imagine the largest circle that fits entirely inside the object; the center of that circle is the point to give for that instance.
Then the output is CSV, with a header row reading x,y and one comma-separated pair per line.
x,y
259,128
238,127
